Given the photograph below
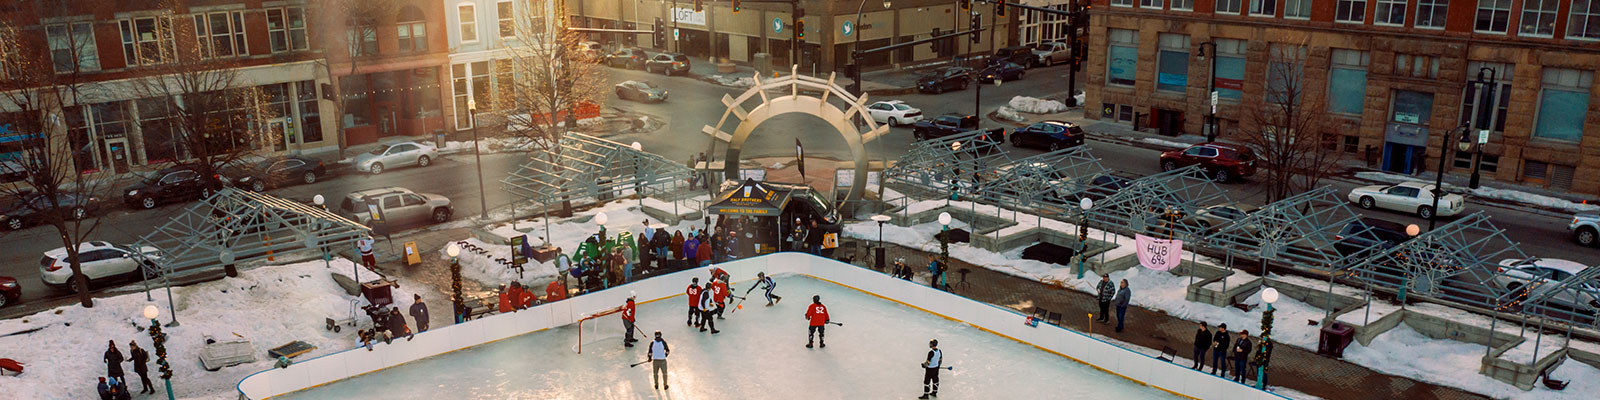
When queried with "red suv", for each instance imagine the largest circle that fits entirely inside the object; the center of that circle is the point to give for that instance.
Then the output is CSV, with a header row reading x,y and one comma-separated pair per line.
x,y
1223,162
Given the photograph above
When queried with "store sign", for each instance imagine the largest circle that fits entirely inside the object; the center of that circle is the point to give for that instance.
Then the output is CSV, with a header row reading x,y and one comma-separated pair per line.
x,y
777,25
1230,84
688,16
1411,135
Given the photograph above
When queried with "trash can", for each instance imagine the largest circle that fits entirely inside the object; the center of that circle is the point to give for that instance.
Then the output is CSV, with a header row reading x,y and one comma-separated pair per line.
x,y
1334,338
438,138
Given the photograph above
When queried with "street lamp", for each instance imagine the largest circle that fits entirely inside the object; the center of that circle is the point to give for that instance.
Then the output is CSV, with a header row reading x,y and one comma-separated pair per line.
x,y
454,251
1462,143
1083,231
600,219
877,255
944,244
855,56
1411,233
638,186
152,313
327,257
1211,90
477,155
1264,352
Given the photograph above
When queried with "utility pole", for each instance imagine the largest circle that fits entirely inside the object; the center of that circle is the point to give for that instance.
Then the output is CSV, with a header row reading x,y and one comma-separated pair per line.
x,y
1072,40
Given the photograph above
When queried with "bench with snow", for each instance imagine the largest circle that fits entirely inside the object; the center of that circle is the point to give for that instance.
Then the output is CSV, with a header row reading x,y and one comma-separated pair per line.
x,y
219,354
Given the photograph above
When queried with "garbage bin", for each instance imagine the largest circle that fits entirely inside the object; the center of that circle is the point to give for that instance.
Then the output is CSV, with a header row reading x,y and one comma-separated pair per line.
x,y
438,138
1334,338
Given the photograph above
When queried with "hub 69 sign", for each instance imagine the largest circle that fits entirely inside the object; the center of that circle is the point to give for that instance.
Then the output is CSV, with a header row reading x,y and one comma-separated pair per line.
x,y
1158,254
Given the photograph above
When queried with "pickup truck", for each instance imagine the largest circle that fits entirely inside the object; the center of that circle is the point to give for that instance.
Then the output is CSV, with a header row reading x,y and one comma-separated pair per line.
x,y
1050,53
951,124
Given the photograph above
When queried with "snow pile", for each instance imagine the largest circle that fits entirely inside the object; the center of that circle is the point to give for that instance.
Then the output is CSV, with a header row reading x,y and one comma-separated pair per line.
x,y
1009,114
1164,143
1034,105
1080,97
732,81
489,145
587,122
270,306
1513,196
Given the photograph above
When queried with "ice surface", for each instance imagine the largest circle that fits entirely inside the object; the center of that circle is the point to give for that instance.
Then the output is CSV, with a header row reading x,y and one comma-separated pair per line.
x,y
760,354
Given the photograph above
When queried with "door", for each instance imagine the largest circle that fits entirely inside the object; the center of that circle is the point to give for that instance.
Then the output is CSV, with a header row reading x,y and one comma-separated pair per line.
x,y
117,155
393,213
279,133
416,208
1397,157
180,185
99,264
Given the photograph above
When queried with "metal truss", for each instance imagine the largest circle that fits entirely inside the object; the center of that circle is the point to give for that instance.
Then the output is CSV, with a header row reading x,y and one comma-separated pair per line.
x,y
1299,230
236,226
1458,261
942,166
1155,204
586,166
1044,182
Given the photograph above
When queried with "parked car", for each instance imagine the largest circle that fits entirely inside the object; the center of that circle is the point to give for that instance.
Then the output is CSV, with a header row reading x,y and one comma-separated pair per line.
x,y
1585,228
627,57
12,171
641,91
1538,272
945,79
397,206
1412,197
591,50
1216,216
398,154
894,112
1022,55
1052,135
1359,237
275,172
1104,186
10,291
100,261
668,63
172,184
34,208
951,124
1003,71
1222,162
1049,53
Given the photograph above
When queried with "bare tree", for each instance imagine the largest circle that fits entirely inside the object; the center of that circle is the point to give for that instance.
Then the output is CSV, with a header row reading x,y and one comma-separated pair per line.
x,y
554,78
56,179
1287,129
355,24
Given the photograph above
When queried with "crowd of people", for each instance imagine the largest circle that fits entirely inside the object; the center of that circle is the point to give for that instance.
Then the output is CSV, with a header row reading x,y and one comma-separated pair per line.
x,y
1222,345
388,324
114,386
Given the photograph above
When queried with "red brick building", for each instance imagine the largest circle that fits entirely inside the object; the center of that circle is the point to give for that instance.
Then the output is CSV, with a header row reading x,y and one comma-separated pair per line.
x,y
1394,75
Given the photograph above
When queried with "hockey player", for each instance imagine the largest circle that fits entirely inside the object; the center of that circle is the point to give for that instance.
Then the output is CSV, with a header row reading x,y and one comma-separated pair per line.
x,y
930,368
694,300
766,282
717,273
658,362
708,307
817,315
719,294
627,322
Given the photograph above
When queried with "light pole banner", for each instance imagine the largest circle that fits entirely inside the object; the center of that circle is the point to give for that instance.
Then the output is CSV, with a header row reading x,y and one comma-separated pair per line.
x,y
1158,254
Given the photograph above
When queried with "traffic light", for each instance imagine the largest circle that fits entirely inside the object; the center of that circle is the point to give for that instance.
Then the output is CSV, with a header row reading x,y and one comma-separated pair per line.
x,y
966,4
735,6
697,6
977,25
659,38
799,29
999,8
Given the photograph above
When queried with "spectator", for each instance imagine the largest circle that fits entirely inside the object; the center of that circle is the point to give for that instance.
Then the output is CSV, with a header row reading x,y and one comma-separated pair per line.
x,y
368,259
814,239
691,245
555,291
114,358
797,236
419,312
660,242
643,249
1241,355
1104,292
365,338
141,366
1121,301
105,389
716,242
1202,342
397,324
702,252
620,262
1219,351
119,390
677,246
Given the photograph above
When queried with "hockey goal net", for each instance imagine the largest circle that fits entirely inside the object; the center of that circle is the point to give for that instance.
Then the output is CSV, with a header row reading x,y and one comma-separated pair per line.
x,y
597,327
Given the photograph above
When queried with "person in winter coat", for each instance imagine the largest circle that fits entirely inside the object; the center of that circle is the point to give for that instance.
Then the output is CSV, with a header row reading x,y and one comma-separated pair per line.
x,y
691,249
702,253
717,236
1121,302
506,300
555,291
817,319
621,261
643,248
814,239
797,236
104,389
119,390
114,360
1104,293
1202,342
1241,355
660,242
677,245
1219,351
397,324
141,366
419,312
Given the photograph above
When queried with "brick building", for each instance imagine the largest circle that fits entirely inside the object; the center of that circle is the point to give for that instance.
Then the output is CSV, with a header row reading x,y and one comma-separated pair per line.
x,y
1394,75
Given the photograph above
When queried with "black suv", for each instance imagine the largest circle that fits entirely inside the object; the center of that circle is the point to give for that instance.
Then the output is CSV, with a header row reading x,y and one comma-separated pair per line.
x,y
1052,135
275,172
945,79
1021,55
34,208
1360,235
180,183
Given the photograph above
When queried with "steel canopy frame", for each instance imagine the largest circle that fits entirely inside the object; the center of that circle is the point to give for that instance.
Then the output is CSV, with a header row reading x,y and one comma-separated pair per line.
x,y
236,226
586,166
1043,182
948,164
1141,207
1458,262
1299,230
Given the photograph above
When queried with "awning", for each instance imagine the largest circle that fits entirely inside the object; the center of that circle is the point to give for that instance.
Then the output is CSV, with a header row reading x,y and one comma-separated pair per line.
x,y
752,198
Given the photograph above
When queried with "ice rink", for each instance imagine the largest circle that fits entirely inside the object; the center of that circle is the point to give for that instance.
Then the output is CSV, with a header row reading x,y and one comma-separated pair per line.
x,y
760,354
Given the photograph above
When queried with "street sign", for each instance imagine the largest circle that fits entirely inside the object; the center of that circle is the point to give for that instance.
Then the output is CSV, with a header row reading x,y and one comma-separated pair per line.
x,y
777,25
1483,136
1213,102
848,28
675,33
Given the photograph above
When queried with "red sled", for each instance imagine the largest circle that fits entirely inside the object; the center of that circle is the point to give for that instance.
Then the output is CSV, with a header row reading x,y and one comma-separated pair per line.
x,y
7,364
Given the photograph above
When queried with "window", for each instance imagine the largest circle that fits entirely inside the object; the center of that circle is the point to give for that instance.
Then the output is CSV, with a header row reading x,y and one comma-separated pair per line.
x,y
155,124
1563,103
469,81
1347,81
310,113
286,28
1122,3
1486,162
1297,9
1156,4
1172,69
412,30
1228,6
1353,11
1229,81
1416,66
1410,107
110,119
505,85
1351,144
1493,16
357,100
1538,18
1583,22
1493,115
1432,13
362,41
221,34
508,17
1284,74
1183,5
1123,62
146,41
469,22
72,47
1390,12
1264,8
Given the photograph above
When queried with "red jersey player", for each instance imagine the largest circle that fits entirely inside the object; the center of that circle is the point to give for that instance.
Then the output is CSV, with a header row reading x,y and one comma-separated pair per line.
x,y
719,294
817,315
694,299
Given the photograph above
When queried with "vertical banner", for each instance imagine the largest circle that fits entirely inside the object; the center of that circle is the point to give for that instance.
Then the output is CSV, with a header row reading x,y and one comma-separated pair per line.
x,y
800,157
1158,254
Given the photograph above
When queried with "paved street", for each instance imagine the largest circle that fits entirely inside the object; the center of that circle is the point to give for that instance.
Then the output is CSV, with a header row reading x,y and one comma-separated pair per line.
x,y
693,104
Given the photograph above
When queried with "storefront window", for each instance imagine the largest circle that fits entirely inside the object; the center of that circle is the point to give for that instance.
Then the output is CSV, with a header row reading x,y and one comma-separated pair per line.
x,y
1412,107
1173,71
1563,104
155,125
83,153
1123,64
1230,68
310,114
357,101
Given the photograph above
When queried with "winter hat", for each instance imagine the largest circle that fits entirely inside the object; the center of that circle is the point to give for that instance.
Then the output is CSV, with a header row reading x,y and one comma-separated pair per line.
x,y
1222,326
816,299
695,280
933,343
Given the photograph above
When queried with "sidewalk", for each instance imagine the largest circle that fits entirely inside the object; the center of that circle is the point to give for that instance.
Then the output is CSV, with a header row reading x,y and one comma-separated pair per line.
x,y
1292,367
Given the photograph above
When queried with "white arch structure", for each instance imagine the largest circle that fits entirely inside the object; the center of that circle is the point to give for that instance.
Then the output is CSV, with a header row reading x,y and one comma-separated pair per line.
x,y
791,100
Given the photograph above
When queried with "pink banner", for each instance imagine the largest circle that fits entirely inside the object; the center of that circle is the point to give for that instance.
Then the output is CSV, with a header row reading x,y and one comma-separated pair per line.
x,y
1158,254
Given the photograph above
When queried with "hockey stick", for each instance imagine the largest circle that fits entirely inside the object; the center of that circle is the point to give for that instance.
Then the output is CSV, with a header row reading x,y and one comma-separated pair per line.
x,y
739,306
836,323
951,368
638,363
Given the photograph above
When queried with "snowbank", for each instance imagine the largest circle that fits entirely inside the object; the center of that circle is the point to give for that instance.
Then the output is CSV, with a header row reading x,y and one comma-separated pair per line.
x,y
270,306
1165,143
489,145
734,81
1009,114
1033,105
1491,193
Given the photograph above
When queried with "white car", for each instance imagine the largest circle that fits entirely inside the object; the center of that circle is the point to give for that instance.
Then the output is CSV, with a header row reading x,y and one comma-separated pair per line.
x,y
100,261
395,155
1412,197
894,112
1540,272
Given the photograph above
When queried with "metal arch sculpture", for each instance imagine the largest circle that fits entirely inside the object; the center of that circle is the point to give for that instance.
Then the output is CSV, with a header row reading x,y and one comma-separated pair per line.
x,y
792,100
